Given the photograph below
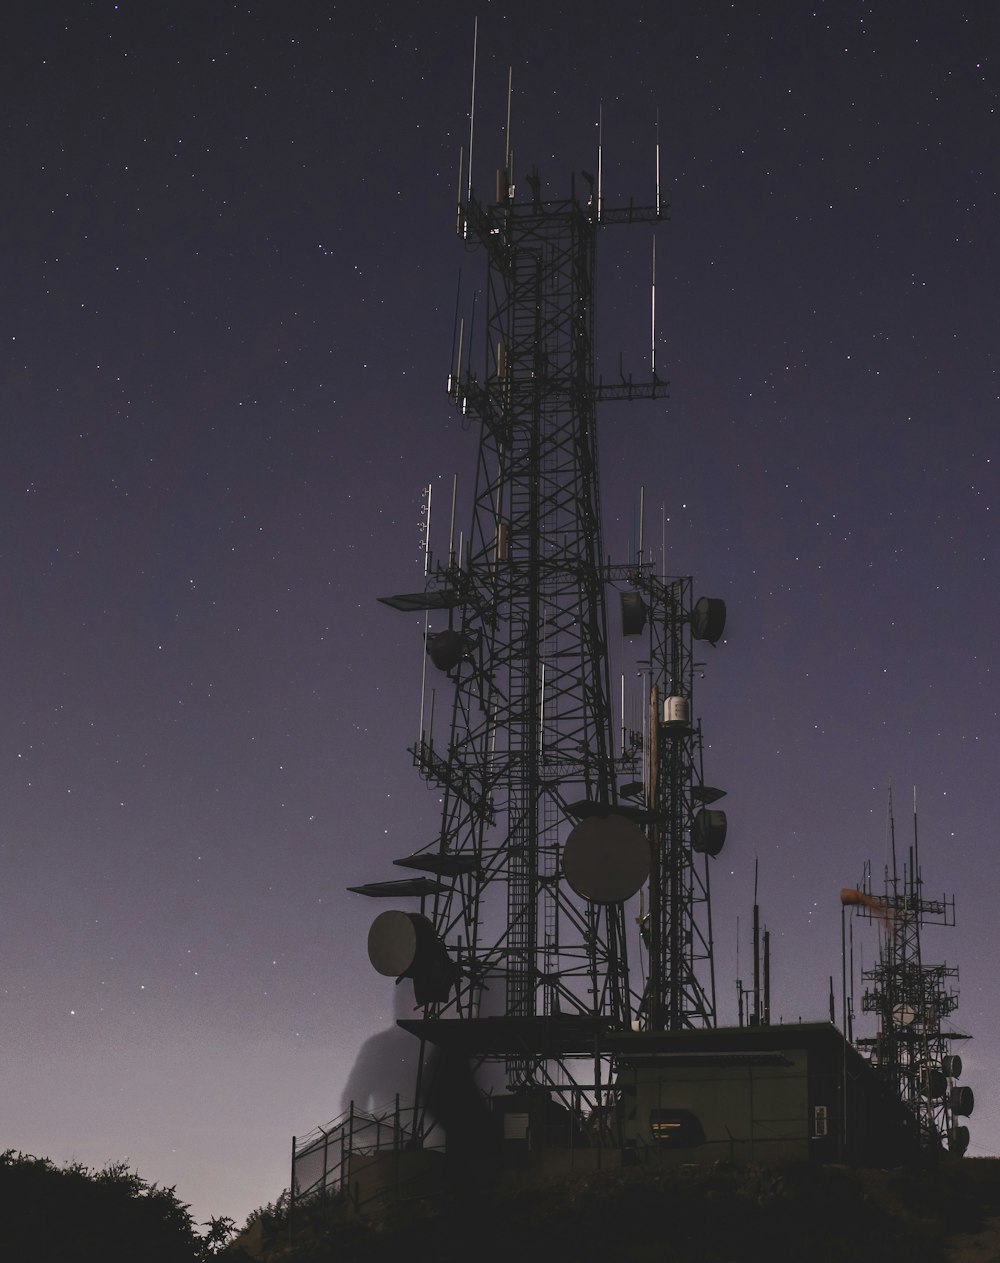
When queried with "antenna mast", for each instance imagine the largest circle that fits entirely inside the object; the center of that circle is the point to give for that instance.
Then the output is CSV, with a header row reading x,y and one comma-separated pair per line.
x,y
548,825
911,1000
472,103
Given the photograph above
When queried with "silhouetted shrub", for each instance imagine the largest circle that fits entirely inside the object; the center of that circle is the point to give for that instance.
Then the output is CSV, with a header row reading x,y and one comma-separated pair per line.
x,y
73,1215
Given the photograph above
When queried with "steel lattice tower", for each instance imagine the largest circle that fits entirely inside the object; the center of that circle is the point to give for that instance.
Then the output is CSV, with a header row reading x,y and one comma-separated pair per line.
x,y
911,1000
680,992
533,754
534,603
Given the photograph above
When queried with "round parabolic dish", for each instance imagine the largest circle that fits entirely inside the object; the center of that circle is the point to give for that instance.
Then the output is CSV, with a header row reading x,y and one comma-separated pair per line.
x,y
708,620
606,859
708,835
446,649
962,1101
393,943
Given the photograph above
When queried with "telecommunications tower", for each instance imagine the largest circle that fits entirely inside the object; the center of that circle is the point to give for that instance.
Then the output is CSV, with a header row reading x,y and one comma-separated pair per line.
x,y
911,999
562,796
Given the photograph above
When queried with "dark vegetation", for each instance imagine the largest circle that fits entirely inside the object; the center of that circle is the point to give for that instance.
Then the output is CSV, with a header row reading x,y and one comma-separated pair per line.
x,y
73,1215
690,1214
718,1214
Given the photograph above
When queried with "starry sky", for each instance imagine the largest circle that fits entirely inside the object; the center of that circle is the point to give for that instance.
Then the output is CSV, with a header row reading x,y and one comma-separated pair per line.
x,y
229,282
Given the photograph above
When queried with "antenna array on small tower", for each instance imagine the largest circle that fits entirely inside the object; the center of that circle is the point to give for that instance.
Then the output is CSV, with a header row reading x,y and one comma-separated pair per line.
x,y
912,1000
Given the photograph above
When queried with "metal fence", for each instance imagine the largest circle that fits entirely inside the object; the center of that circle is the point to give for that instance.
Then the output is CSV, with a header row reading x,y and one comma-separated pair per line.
x,y
322,1159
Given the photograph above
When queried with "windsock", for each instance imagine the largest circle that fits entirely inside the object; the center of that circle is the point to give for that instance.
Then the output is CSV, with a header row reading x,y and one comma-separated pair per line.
x,y
878,907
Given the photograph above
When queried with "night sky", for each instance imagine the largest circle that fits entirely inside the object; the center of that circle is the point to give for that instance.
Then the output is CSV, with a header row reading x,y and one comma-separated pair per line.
x,y
229,276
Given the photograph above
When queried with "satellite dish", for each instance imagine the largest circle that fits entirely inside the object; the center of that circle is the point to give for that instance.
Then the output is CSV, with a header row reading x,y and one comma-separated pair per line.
x,y
708,834
633,613
958,1140
606,859
903,1014
394,941
961,1100
952,1065
405,945
446,649
708,619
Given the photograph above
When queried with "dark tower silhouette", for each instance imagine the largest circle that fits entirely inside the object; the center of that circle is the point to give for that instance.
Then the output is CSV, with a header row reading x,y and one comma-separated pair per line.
x,y
912,999
554,812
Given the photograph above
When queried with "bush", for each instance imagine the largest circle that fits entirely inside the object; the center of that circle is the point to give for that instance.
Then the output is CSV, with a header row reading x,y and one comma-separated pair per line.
x,y
73,1215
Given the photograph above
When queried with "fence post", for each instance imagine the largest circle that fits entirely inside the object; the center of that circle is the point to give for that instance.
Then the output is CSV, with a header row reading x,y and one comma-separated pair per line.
x,y
395,1153
291,1195
350,1142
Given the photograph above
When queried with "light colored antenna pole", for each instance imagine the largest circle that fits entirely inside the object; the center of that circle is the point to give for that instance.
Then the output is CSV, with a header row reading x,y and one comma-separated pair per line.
x,y
623,714
541,712
492,740
663,539
652,332
472,107
427,533
658,206
642,516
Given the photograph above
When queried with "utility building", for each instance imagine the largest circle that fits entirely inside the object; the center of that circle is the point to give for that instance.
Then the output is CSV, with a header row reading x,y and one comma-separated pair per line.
x,y
755,1094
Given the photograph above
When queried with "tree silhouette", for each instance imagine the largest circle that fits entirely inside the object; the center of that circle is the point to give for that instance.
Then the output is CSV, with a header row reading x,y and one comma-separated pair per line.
x,y
75,1215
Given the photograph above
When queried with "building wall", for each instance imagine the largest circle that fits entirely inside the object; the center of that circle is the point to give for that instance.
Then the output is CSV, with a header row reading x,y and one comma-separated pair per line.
x,y
740,1113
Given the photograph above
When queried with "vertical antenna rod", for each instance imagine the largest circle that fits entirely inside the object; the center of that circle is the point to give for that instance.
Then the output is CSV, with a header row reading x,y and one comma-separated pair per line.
x,y
739,980
427,614
472,106
652,354
427,532
916,845
623,713
755,1020
658,209
652,333
506,154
